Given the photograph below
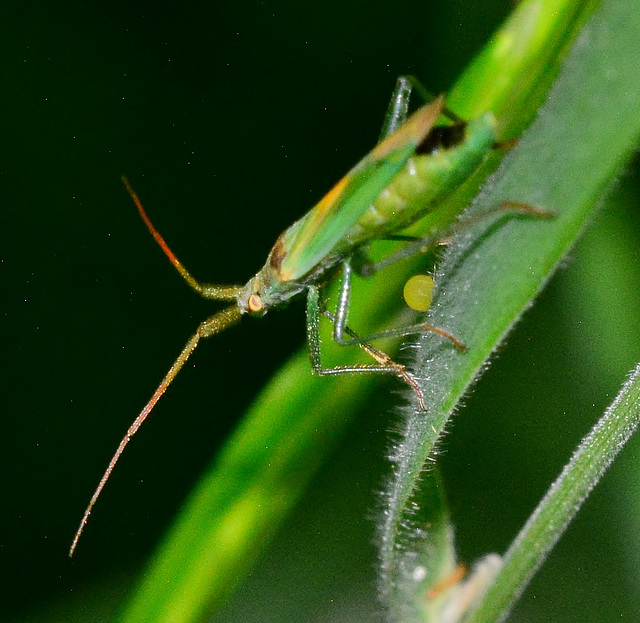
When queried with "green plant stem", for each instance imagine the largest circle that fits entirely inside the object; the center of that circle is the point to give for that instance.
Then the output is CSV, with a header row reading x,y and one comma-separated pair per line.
x,y
562,502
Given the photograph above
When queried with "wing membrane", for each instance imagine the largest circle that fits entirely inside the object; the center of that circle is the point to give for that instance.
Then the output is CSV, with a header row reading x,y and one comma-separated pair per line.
x,y
311,239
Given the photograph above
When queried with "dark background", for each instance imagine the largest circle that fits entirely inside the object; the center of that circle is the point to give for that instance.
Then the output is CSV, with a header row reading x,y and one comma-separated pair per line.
x,y
230,122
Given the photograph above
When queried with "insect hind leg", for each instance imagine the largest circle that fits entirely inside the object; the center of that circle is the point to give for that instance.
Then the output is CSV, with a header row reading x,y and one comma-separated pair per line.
x,y
421,245
398,109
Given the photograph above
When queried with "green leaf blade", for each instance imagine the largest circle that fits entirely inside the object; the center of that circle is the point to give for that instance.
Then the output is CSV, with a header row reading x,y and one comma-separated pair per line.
x,y
587,130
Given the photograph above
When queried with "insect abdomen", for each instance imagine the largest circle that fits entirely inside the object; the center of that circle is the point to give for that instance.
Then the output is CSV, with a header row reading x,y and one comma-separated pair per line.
x,y
426,180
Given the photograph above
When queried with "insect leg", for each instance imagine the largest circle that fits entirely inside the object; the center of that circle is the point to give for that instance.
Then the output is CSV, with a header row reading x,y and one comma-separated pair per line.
x,y
398,108
342,309
207,290
426,243
422,327
417,246
384,365
428,96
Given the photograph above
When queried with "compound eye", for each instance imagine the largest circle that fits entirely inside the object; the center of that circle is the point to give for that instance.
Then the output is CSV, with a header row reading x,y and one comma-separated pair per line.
x,y
255,303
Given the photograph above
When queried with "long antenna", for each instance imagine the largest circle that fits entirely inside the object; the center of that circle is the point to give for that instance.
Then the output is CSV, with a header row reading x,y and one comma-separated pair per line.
x,y
209,327
133,429
206,290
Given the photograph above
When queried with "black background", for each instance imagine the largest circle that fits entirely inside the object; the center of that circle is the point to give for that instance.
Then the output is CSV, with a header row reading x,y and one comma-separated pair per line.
x,y
230,121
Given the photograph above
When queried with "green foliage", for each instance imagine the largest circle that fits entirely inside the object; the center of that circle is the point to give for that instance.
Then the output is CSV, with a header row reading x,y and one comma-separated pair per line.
x,y
487,280
281,430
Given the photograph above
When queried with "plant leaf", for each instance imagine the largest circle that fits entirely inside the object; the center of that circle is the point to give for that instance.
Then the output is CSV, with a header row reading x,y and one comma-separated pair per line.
x,y
582,137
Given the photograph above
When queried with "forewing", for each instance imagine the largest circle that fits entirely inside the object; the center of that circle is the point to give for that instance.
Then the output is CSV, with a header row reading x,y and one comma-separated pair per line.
x,y
313,238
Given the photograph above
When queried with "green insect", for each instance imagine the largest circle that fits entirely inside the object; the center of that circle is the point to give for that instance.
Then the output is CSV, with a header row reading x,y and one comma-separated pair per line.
x,y
405,177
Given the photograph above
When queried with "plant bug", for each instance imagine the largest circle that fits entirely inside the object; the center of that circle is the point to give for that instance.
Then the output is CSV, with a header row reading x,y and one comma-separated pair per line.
x,y
407,175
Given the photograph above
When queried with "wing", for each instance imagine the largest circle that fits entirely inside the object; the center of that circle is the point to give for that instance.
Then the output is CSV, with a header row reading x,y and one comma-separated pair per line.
x,y
312,238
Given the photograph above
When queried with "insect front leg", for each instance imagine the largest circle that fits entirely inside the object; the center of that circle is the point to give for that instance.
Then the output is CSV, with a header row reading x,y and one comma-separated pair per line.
x,y
384,365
